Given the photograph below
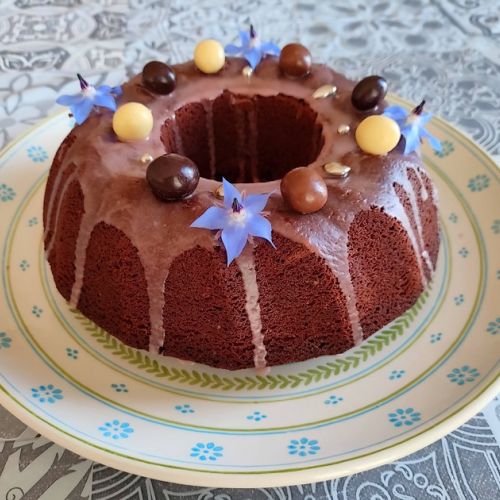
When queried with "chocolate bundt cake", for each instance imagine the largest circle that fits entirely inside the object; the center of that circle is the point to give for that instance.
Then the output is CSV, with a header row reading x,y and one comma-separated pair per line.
x,y
355,235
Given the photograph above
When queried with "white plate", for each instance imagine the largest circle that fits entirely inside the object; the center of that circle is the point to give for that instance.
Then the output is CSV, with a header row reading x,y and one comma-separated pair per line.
x,y
408,385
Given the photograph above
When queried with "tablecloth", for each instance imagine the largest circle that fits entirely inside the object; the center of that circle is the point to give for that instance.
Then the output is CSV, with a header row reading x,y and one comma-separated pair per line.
x,y
446,51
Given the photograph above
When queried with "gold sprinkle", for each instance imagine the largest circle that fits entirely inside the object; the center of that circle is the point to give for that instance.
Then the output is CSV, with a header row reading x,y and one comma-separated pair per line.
x,y
343,129
335,169
324,91
219,192
247,71
146,158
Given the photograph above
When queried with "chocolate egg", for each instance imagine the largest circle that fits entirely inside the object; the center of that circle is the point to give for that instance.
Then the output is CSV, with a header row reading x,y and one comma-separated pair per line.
x,y
377,134
369,92
209,56
158,77
172,177
132,122
304,190
295,60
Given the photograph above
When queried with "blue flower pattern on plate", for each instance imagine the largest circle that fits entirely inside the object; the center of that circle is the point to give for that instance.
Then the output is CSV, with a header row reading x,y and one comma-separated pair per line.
x,y
6,193
72,353
116,429
493,327
395,374
333,400
453,218
119,387
303,447
33,221
37,154
462,375
47,393
478,183
446,149
207,451
495,227
257,416
463,252
184,408
24,264
5,341
37,311
436,337
402,416
459,299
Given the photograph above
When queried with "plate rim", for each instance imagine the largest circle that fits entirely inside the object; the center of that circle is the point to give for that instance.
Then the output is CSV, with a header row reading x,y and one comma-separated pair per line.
x,y
258,478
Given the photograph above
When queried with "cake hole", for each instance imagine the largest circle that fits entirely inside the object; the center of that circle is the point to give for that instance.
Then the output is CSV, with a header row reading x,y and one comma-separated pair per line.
x,y
245,138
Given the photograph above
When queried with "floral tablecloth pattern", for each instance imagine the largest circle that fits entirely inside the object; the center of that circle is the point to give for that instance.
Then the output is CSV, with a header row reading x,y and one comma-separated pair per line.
x,y
446,51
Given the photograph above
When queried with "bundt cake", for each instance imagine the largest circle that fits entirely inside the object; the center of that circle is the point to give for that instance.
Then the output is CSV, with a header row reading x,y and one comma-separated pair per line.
x,y
354,233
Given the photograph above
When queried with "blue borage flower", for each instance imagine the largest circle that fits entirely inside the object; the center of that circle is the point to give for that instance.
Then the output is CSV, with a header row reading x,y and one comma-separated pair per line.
x,y
238,220
251,48
81,104
412,126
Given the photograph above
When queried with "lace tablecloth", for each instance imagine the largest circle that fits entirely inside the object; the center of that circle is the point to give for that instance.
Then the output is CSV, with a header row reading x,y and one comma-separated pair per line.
x,y
447,51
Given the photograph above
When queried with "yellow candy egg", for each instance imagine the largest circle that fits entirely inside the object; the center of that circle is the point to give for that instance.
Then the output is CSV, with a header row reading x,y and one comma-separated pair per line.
x,y
209,56
377,134
132,122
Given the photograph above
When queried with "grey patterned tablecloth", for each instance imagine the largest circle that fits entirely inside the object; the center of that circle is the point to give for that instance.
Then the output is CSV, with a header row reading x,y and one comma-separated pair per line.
x,y
447,51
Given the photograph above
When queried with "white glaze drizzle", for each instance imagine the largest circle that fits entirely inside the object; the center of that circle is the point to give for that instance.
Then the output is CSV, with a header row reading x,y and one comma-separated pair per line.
x,y
246,263
412,196
49,244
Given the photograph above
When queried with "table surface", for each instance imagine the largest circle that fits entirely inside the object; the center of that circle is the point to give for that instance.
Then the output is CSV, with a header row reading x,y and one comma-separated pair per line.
x,y
446,51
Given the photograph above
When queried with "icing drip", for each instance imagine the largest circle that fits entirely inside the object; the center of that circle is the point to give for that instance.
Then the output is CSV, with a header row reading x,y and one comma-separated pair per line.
x,y
156,292
341,268
208,107
86,226
246,263
405,221
410,191
51,214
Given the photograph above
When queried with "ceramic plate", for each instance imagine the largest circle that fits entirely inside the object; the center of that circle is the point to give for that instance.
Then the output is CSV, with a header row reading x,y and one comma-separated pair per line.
x,y
409,384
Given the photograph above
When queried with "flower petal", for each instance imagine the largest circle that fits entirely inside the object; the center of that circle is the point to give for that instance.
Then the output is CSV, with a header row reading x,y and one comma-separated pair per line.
x,y
256,202
69,100
435,143
253,57
105,101
412,138
244,39
230,193
213,218
232,50
270,48
397,113
234,239
261,227
82,110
